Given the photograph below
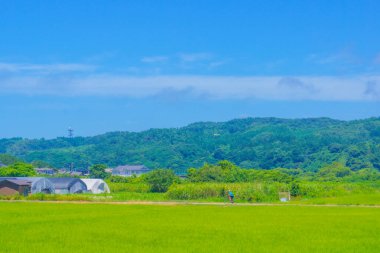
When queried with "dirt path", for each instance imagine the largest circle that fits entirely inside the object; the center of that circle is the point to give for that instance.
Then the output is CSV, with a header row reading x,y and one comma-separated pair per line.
x,y
174,203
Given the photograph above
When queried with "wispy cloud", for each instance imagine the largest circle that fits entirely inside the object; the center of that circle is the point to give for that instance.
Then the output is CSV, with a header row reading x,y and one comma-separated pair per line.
x,y
377,59
155,59
194,57
215,64
330,88
182,61
345,56
46,68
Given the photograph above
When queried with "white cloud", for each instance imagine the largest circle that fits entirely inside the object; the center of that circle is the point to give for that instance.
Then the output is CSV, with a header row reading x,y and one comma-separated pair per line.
x,y
372,89
331,88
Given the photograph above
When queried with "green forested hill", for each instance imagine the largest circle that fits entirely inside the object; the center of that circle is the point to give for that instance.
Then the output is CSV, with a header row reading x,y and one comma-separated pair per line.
x,y
251,143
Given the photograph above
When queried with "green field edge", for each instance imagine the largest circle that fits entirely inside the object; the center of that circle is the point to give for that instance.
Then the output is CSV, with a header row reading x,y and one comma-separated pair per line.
x,y
170,203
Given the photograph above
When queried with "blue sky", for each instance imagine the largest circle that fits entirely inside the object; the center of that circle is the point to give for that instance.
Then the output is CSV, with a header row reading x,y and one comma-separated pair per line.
x,y
101,66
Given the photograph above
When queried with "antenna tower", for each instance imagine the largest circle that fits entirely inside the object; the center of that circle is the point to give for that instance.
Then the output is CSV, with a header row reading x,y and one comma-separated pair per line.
x,y
71,132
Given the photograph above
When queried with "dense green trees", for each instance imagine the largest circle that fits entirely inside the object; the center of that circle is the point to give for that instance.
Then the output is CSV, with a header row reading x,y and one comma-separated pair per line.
x,y
8,159
98,171
261,143
334,171
228,172
18,169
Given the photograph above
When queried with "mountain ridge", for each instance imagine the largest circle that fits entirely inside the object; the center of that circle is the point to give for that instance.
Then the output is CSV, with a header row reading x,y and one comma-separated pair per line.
x,y
249,142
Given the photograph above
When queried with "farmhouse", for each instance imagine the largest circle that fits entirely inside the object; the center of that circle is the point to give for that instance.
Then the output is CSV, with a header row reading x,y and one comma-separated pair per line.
x,y
14,186
96,186
76,173
68,185
129,170
62,171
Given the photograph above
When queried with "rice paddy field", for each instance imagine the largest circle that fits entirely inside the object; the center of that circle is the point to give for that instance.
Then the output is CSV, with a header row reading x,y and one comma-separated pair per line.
x,y
94,227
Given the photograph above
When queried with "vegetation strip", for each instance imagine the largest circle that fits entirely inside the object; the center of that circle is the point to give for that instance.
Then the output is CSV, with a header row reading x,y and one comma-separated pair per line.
x,y
173,203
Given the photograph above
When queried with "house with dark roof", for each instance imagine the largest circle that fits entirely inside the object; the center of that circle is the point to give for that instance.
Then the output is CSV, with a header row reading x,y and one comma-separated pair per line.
x,y
2,165
14,186
129,170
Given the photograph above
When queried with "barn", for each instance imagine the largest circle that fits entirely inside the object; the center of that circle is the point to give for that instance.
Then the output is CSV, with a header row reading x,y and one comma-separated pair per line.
x,y
38,184
96,186
68,185
14,186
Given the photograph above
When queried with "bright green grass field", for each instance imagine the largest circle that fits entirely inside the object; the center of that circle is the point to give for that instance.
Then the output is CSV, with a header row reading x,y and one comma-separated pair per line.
x,y
50,227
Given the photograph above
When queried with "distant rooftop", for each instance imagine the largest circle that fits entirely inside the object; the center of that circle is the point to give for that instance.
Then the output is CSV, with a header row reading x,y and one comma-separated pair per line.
x,y
129,170
131,167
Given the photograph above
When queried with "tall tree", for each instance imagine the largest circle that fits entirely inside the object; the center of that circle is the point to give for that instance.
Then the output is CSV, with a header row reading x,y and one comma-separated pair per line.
x,y
98,171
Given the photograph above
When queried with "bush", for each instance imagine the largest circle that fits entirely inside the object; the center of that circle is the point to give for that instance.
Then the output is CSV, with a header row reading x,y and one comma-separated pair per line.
x,y
98,171
160,180
295,189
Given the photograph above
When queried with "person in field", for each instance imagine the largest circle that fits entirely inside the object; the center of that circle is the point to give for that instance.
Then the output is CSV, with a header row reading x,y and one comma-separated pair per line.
x,y
231,196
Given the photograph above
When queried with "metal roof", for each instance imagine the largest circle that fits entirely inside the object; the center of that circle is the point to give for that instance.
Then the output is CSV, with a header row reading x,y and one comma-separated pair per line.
x,y
96,185
130,167
65,182
18,182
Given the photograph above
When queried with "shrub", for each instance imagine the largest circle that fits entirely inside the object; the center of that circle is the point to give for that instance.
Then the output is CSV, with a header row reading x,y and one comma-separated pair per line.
x,y
295,189
129,187
98,171
160,180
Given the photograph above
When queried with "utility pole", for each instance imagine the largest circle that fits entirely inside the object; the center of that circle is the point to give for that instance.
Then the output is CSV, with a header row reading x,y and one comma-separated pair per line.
x,y
71,135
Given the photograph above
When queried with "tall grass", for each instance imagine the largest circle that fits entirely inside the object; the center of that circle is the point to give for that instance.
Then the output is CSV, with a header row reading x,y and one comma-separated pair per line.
x,y
129,187
331,189
266,192
252,192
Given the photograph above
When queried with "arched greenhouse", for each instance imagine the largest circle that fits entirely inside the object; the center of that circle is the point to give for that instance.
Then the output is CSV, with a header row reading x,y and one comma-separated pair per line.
x,y
40,184
96,186
68,185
